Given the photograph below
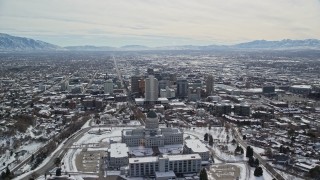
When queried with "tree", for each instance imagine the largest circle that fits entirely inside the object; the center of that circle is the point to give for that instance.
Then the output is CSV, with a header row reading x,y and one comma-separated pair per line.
x,y
251,161
244,137
256,162
241,150
314,172
66,104
3,175
32,158
206,136
269,153
281,149
203,174
233,141
238,149
57,161
249,151
210,140
258,172
8,172
290,132
58,172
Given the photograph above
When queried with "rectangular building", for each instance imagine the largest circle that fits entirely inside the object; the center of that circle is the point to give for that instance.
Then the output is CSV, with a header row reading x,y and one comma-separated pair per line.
x,y
118,155
179,164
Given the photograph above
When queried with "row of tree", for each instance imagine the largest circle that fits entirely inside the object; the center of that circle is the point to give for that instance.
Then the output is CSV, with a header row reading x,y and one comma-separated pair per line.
x,y
7,174
208,137
254,162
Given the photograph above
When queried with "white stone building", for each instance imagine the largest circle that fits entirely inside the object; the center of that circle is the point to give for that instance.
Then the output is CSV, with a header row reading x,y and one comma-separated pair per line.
x,y
118,155
152,135
168,164
196,146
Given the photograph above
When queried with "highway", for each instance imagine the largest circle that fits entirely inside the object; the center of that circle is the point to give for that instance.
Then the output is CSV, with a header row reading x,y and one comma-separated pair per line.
x,y
43,169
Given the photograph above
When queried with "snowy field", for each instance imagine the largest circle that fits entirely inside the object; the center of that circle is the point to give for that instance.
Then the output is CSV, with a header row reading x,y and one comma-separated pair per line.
x,y
220,137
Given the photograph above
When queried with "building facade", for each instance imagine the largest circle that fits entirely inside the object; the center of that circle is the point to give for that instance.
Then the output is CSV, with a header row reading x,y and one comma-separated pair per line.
x,y
179,164
182,88
192,146
135,84
151,89
108,87
209,85
118,155
152,135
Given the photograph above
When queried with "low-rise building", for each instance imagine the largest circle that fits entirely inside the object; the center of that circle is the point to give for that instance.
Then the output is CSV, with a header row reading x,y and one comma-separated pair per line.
x,y
179,164
118,155
192,146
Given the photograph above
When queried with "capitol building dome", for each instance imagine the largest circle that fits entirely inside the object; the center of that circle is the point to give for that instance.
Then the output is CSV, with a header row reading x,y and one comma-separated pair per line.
x,y
152,121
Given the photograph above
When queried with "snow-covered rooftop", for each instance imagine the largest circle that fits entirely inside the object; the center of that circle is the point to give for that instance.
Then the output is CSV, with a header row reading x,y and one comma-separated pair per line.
x,y
196,145
118,150
168,174
142,160
182,157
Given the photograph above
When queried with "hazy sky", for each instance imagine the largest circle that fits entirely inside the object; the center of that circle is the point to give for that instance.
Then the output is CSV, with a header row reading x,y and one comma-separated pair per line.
x,y
160,22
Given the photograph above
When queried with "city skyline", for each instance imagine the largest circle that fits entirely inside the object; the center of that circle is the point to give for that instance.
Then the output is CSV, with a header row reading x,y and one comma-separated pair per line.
x,y
165,23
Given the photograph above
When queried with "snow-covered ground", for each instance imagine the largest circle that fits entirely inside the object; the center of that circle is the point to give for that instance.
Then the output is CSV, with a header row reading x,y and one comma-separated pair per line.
x,y
288,176
258,150
30,148
45,161
220,135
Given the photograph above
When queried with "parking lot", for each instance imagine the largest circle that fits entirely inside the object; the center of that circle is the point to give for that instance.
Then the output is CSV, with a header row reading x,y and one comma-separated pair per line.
x,y
89,161
224,172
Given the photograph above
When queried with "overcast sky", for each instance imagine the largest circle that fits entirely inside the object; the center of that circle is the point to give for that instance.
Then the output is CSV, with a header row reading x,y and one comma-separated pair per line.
x,y
160,22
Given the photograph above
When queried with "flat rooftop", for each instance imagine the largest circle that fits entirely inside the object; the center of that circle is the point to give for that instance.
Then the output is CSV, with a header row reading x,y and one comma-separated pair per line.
x,y
196,145
143,160
118,150
168,174
182,157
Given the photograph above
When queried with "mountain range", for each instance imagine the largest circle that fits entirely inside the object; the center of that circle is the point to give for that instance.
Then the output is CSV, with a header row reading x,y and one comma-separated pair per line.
x,y
14,43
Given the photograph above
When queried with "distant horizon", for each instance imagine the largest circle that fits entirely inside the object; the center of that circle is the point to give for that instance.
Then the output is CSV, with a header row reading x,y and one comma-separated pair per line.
x,y
156,23
212,44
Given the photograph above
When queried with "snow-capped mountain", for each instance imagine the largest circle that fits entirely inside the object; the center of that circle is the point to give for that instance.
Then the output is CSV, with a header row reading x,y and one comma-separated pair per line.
x,y
14,43
283,44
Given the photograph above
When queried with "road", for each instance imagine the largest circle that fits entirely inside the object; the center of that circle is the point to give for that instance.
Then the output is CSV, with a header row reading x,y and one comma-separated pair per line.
x,y
119,74
90,82
263,162
137,112
58,153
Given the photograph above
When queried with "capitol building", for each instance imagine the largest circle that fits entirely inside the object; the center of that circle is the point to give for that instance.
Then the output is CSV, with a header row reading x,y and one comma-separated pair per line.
x,y
152,135
162,166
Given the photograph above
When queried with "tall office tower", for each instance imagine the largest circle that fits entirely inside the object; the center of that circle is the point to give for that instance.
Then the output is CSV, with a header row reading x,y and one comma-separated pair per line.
x,y
135,83
209,85
182,88
151,88
65,85
142,87
108,87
